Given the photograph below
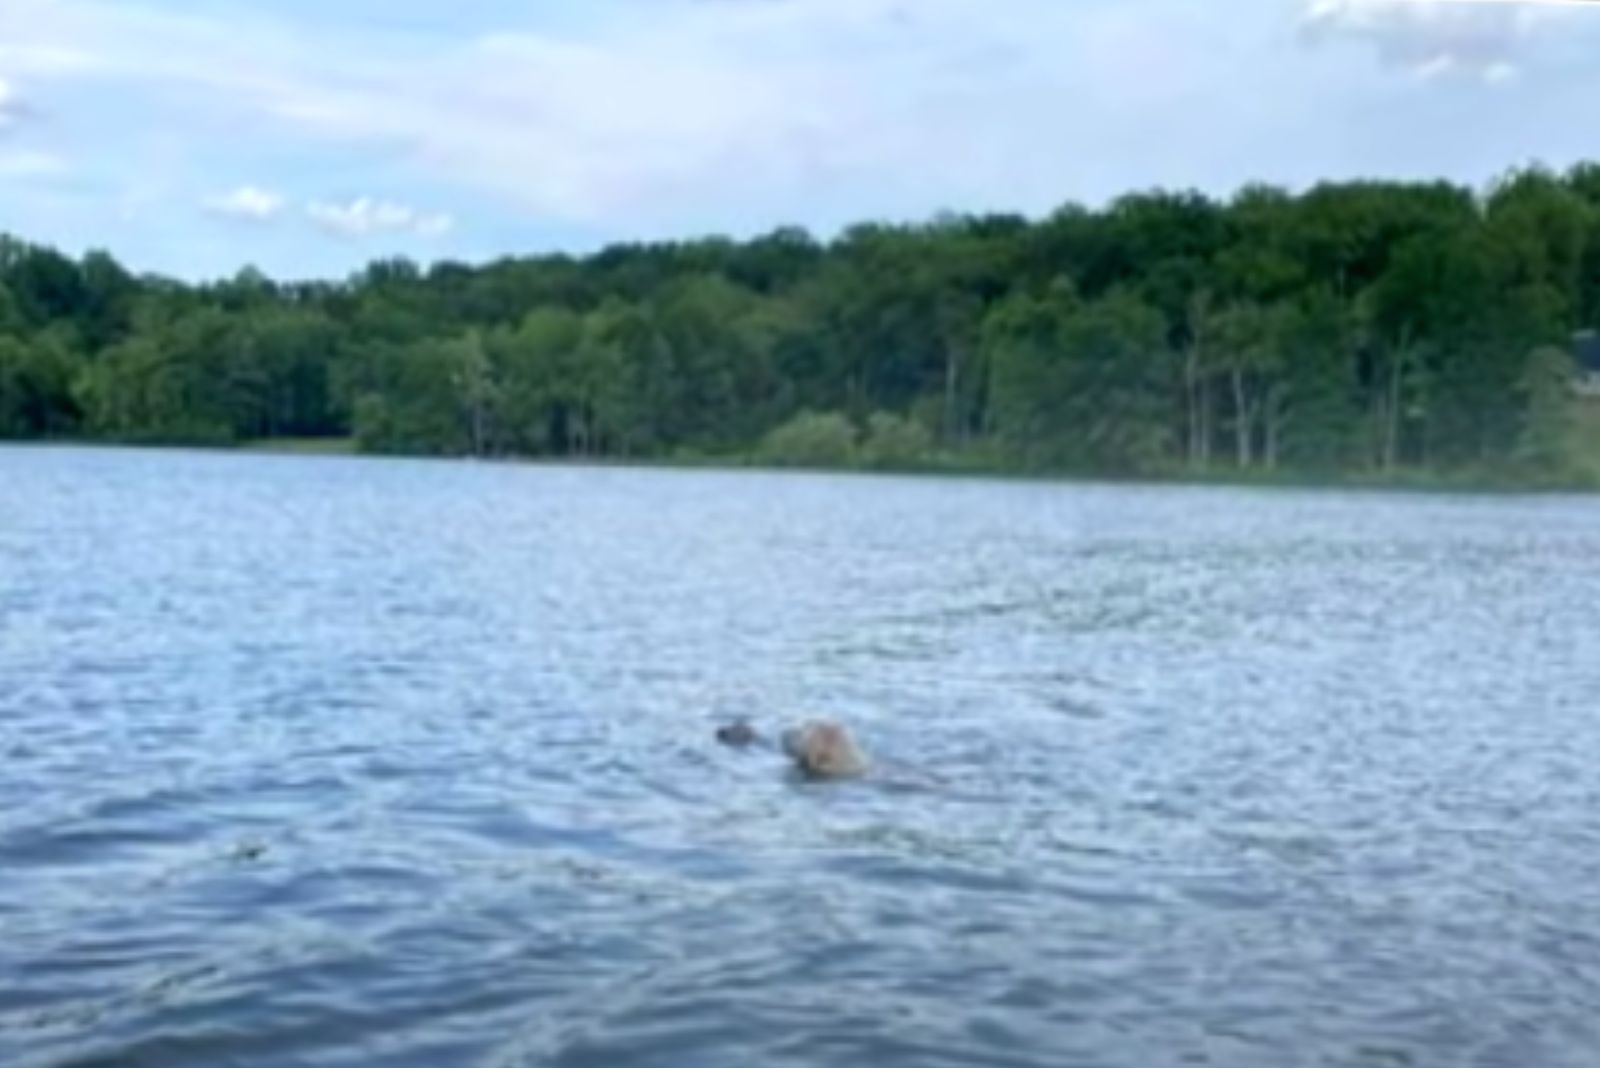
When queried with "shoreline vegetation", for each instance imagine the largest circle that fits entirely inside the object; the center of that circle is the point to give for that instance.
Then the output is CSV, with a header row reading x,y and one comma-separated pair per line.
x,y
1408,480
1366,334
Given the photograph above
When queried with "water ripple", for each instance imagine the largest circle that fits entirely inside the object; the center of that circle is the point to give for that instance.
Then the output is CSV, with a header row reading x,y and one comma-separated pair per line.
x,y
325,762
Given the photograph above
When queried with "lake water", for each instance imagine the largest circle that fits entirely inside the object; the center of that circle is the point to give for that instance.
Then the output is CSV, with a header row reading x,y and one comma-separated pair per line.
x,y
334,762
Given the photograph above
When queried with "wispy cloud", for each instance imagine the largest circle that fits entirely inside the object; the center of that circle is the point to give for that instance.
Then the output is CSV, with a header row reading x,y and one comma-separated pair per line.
x,y
9,105
361,216
578,121
367,217
247,202
678,114
31,163
1486,40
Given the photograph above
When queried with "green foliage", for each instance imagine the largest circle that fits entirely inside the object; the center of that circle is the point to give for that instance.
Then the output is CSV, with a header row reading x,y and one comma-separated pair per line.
x,y
1082,386
423,409
811,439
1320,399
1374,330
1548,442
895,443
36,398
1029,389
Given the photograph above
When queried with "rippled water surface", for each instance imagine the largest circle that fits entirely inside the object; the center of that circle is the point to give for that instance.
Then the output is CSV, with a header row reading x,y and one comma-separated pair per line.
x,y
340,762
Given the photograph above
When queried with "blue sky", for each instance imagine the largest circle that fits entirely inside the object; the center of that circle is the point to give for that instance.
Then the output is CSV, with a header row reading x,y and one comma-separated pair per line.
x,y
199,136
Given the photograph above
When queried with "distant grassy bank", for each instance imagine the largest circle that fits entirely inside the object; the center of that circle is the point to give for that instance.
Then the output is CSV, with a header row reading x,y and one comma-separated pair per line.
x,y
986,464
304,446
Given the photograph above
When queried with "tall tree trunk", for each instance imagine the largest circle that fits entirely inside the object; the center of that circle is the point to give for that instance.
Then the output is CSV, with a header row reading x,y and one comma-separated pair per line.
x,y
952,371
1393,404
1194,385
1243,417
477,425
1276,416
1191,400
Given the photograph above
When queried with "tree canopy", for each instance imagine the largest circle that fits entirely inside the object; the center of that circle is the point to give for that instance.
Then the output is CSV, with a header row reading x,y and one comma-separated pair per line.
x,y
1353,327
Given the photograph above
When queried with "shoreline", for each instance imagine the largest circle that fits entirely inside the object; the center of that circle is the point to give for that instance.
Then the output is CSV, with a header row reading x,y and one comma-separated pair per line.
x,y
1405,481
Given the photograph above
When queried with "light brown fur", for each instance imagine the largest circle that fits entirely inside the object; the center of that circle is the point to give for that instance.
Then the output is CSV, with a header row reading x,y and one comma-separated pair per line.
x,y
824,749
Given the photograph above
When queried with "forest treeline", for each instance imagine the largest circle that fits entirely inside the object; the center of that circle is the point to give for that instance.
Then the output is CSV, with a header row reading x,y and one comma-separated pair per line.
x,y
1355,328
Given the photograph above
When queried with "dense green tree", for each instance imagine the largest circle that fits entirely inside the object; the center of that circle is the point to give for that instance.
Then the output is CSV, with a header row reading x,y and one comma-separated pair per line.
x,y
537,365
1031,384
1354,326
1121,374
1548,445
894,442
1320,417
811,439
36,379
1085,386
424,409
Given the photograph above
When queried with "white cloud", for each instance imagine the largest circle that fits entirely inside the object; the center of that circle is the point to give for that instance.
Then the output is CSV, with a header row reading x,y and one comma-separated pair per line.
x,y
1500,73
1479,39
676,115
357,217
696,114
8,104
29,163
645,118
248,202
366,217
